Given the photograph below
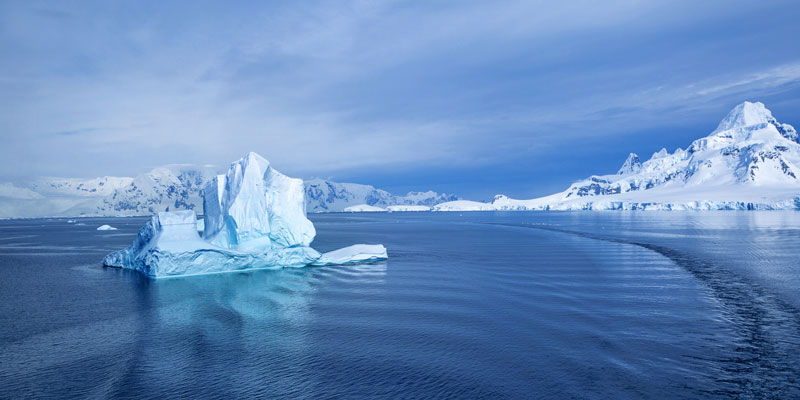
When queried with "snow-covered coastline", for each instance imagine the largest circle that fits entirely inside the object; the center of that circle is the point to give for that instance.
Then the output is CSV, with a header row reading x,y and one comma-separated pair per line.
x,y
363,208
171,188
750,162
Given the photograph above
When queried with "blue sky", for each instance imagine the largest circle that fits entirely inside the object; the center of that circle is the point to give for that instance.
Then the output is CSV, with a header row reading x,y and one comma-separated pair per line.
x,y
472,98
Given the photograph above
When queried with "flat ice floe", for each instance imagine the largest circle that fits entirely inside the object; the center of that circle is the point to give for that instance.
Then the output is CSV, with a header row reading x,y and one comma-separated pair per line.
x,y
254,218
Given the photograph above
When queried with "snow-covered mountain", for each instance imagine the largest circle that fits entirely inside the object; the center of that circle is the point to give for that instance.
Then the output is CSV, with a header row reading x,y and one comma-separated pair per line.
x,y
169,188
323,196
751,161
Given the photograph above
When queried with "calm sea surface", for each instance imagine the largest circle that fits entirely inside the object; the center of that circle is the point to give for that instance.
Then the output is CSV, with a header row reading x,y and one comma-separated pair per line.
x,y
470,305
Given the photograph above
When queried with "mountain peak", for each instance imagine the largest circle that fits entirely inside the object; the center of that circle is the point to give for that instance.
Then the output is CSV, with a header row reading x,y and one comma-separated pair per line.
x,y
745,114
632,164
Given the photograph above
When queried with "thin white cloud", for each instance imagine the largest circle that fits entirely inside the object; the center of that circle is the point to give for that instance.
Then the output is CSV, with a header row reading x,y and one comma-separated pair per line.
x,y
343,85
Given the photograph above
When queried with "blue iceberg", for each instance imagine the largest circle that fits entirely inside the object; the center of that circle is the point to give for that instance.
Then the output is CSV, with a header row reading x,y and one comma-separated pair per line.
x,y
254,218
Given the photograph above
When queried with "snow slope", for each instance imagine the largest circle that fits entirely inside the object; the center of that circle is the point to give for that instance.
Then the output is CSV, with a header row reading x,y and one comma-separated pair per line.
x,y
463,205
751,161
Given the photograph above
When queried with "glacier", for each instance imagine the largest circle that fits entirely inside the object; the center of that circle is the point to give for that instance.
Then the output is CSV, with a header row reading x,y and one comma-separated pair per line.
x,y
255,218
363,208
464,205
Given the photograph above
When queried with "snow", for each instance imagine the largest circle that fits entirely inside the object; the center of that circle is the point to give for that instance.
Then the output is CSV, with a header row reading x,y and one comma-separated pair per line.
x,y
464,205
327,196
172,188
254,219
744,115
404,208
750,161
106,228
631,165
11,191
363,208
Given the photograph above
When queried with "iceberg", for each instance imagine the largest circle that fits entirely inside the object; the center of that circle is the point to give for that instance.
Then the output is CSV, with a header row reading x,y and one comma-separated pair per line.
x,y
105,228
255,218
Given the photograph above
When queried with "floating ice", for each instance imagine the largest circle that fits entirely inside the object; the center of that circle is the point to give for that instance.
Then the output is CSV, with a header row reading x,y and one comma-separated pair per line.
x,y
357,253
254,218
106,228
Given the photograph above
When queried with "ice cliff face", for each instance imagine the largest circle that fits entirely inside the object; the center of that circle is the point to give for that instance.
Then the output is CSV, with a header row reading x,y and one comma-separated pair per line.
x,y
254,206
750,161
255,218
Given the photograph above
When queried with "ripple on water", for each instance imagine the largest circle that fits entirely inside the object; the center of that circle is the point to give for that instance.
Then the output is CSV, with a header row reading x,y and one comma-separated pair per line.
x,y
653,306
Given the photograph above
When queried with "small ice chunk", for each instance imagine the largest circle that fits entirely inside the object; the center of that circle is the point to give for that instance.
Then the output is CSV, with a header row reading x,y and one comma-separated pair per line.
x,y
106,228
355,254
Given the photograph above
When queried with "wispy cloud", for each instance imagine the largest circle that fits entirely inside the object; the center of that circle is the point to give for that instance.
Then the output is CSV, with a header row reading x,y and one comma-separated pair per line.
x,y
347,86
72,132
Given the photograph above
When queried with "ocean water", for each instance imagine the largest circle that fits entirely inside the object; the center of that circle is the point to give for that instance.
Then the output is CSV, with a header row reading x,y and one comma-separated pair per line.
x,y
470,305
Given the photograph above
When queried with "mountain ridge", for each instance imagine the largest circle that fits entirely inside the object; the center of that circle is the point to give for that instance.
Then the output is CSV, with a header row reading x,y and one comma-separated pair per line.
x,y
170,188
750,161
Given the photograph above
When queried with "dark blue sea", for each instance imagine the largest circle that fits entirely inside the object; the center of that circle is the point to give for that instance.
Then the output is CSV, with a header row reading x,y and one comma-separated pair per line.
x,y
600,305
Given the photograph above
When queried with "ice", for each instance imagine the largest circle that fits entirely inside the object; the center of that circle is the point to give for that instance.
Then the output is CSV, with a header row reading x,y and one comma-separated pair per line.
x,y
256,207
169,245
106,228
357,253
364,208
254,219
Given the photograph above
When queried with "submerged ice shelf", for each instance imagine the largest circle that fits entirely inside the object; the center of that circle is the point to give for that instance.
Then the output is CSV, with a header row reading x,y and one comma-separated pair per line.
x,y
255,218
